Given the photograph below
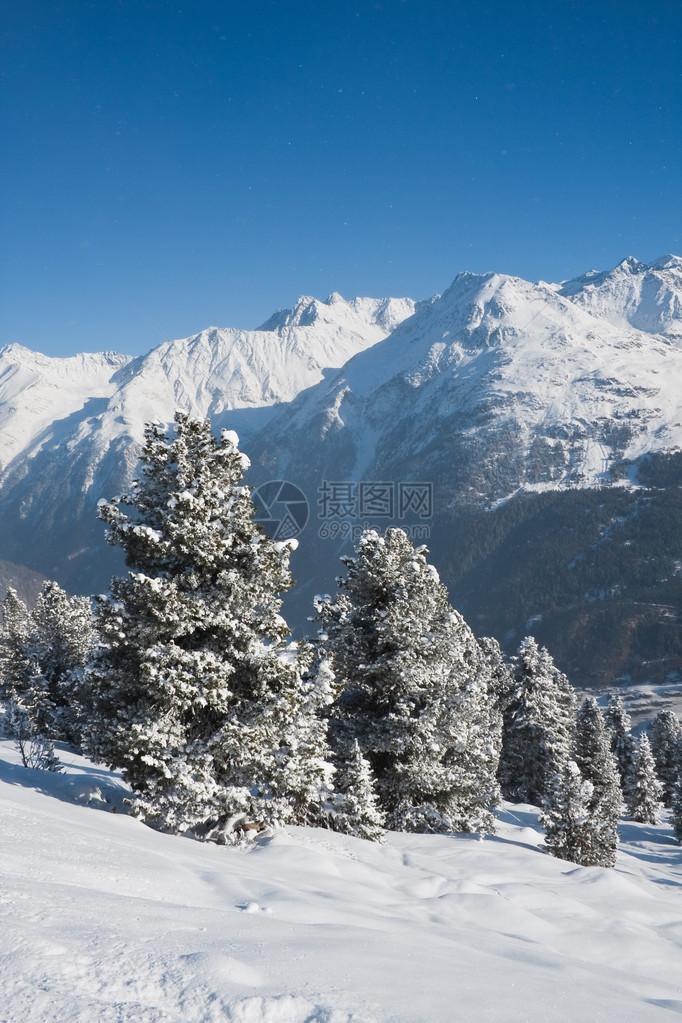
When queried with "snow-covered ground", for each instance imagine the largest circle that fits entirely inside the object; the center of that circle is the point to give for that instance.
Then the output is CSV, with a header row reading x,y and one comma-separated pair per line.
x,y
105,921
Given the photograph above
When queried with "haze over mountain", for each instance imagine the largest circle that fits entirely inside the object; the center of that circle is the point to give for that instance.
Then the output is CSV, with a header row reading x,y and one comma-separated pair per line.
x,y
556,404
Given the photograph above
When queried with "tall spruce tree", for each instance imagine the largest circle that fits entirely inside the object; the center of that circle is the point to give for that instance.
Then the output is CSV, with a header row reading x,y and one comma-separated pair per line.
x,y
538,725
597,764
622,740
414,693
195,695
665,735
644,791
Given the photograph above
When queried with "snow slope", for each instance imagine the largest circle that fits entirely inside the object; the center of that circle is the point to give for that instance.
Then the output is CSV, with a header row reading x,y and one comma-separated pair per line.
x,y
105,920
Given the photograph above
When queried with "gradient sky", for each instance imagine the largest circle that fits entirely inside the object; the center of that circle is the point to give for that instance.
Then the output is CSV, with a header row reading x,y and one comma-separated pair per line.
x,y
170,166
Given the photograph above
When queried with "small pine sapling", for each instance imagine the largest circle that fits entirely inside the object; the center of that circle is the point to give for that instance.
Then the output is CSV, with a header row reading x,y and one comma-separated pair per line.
x,y
644,790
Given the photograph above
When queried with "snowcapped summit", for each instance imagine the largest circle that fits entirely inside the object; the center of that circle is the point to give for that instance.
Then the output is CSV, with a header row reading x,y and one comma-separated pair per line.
x,y
376,316
497,385
646,296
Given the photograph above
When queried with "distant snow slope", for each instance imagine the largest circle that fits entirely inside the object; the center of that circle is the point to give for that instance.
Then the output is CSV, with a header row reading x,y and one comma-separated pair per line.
x,y
102,919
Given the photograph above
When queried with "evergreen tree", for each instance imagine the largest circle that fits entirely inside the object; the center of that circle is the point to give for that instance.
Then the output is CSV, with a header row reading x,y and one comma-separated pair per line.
x,y
644,791
42,655
622,740
538,725
195,694
60,641
569,825
597,764
16,669
21,687
359,812
676,812
665,735
413,686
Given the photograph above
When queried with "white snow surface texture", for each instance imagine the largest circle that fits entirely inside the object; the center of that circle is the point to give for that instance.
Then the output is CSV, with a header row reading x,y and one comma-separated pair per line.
x,y
103,920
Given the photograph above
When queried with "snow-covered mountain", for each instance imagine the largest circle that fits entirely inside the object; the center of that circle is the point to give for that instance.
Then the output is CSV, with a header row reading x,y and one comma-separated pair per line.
x,y
646,296
498,393
46,399
497,385
70,429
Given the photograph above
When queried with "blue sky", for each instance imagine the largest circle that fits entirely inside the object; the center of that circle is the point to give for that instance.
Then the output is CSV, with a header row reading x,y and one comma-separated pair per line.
x,y
170,166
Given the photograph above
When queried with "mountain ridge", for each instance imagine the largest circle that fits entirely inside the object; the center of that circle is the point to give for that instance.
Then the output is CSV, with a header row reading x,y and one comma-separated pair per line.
x,y
547,427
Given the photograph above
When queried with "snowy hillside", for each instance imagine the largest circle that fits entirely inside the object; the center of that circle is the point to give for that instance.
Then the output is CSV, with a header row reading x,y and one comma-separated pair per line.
x,y
103,919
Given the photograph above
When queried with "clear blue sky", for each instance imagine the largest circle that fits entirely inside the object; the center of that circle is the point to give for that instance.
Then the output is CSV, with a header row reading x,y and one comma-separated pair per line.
x,y
208,162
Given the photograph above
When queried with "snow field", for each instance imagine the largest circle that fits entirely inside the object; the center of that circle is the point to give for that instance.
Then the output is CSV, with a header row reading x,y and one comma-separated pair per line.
x,y
104,921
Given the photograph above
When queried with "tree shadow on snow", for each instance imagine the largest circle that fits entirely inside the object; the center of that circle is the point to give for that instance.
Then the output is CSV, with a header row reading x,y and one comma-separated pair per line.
x,y
95,787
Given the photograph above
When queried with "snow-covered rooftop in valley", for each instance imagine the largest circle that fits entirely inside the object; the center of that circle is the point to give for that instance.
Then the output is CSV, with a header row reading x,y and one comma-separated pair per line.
x,y
104,920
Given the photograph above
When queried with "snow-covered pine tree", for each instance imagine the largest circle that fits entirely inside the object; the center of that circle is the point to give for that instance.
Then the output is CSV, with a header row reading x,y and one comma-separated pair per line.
x,y
622,740
567,820
60,641
676,811
307,772
597,764
644,791
538,725
42,655
665,736
195,695
15,665
413,689
21,689
358,811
